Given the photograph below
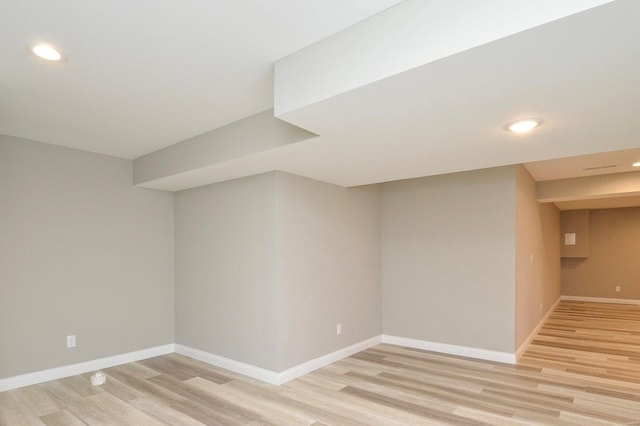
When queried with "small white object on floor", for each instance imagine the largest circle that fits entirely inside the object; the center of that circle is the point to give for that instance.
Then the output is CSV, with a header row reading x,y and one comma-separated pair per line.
x,y
98,379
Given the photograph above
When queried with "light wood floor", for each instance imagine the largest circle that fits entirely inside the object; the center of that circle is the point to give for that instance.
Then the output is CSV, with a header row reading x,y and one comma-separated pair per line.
x,y
593,339
583,368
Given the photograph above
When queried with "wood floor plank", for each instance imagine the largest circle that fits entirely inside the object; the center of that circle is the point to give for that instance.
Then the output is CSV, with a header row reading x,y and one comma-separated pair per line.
x,y
14,412
137,370
430,414
264,411
292,406
350,406
165,414
145,387
228,412
201,371
495,419
37,400
61,418
122,412
80,407
371,415
352,403
117,388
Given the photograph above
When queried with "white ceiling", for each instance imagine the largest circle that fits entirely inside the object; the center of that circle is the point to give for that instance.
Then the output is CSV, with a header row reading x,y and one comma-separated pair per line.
x,y
145,74
580,74
586,165
589,165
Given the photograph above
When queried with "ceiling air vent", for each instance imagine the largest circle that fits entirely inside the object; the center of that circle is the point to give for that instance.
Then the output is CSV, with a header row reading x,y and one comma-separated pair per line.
x,y
600,167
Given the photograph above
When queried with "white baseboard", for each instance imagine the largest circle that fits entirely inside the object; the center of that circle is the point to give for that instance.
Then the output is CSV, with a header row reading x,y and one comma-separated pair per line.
x,y
323,361
523,347
229,364
268,376
601,300
504,357
82,367
273,377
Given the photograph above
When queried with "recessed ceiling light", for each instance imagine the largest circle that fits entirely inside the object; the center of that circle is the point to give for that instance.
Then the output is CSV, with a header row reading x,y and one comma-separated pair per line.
x,y
636,164
524,126
46,52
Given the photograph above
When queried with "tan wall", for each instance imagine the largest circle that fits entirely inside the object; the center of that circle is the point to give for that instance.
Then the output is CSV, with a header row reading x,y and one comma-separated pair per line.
x,y
614,258
575,222
537,256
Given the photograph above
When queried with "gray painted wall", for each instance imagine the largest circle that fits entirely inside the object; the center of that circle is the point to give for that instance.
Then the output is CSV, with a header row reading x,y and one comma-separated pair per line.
x,y
537,256
82,252
328,267
266,266
226,269
448,262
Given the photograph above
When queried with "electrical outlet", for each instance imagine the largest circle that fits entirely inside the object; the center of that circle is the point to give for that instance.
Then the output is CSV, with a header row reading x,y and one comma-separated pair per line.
x,y
338,329
618,289
540,305
71,341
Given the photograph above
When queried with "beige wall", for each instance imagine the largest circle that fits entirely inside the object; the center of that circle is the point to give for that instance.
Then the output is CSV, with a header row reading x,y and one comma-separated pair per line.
x,y
226,278
328,267
82,252
537,256
613,259
448,262
575,222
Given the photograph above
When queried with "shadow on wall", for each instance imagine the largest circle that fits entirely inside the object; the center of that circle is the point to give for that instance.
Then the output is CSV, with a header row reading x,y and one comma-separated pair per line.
x,y
572,263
